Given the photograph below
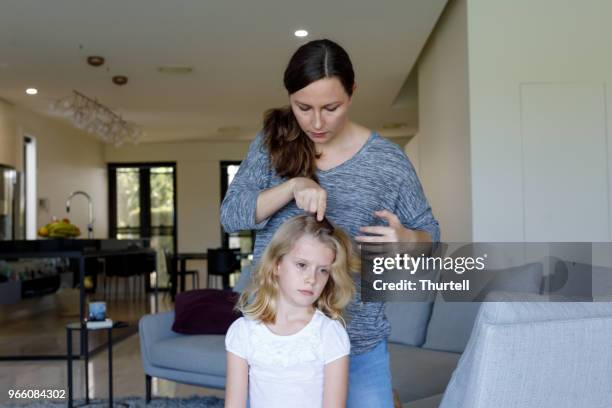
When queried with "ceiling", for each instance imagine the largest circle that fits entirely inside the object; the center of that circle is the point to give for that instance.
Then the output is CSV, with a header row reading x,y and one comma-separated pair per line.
x,y
238,50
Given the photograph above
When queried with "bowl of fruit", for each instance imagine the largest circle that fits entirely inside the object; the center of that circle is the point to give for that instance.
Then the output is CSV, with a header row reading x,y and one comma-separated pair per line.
x,y
59,229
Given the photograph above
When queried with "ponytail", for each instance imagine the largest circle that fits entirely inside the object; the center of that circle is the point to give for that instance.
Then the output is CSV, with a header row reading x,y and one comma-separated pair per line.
x,y
292,153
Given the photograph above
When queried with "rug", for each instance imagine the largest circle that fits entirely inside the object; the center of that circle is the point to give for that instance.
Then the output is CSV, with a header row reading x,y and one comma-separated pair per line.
x,y
132,402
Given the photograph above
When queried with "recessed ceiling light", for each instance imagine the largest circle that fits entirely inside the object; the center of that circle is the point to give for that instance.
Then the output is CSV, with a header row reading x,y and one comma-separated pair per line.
x,y
301,33
31,91
95,60
120,80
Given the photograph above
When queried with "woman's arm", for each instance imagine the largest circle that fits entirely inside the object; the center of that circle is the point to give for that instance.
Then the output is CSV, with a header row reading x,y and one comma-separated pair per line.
x,y
335,383
237,382
238,209
309,196
247,202
273,199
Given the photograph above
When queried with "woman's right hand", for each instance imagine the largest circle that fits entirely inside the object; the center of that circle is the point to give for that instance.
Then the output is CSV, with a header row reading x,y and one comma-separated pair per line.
x,y
309,196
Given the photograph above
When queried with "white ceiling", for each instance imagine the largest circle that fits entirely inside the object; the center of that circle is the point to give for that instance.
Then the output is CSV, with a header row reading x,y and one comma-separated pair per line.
x,y
237,48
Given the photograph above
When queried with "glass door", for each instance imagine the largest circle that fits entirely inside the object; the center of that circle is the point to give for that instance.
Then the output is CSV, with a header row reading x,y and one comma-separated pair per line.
x,y
143,206
243,240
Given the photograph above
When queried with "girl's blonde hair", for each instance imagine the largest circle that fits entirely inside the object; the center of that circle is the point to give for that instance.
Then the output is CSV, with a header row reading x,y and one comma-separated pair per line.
x,y
258,301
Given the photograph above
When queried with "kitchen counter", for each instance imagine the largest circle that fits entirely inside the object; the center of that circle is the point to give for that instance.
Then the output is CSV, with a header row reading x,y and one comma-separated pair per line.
x,y
60,246
78,250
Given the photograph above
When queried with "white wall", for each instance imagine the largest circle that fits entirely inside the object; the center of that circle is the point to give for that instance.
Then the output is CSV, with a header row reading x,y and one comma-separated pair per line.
x,y
411,148
541,151
9,145
444,129
67,160
198,184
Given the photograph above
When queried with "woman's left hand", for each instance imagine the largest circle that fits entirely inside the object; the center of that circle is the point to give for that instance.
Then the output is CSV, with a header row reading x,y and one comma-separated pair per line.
x,y
395,232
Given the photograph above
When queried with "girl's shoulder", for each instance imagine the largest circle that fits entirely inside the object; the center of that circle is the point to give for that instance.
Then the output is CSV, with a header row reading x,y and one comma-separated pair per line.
x,y
242,324
327,324
237,326
334,338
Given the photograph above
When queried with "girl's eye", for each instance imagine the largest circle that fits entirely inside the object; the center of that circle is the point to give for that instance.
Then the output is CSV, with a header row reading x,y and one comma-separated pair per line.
x,y
303,109
331,109
301,265
324,271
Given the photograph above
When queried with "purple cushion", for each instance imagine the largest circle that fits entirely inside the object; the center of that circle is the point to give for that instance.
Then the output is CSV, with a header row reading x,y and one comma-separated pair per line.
x,y
205,311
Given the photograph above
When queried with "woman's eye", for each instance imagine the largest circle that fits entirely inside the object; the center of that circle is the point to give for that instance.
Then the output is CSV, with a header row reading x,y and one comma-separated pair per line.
x,y
303,109
331,109
301,265
324,271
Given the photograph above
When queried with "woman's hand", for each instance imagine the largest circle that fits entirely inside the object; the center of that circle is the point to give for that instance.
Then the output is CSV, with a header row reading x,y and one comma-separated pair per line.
x,y
309,196
395,232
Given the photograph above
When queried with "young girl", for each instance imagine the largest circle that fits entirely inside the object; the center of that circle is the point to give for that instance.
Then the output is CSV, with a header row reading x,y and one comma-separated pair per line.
x,y
290,349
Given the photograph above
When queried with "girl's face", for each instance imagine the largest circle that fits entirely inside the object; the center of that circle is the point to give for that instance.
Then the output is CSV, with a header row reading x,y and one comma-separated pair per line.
x,y
303,273
321,109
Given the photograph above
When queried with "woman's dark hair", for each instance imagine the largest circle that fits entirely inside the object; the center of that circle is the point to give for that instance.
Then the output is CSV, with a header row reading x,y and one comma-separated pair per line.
x,y
292,153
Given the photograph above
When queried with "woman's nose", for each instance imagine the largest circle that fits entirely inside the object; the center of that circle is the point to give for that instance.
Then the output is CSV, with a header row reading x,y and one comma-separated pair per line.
x,y
317,123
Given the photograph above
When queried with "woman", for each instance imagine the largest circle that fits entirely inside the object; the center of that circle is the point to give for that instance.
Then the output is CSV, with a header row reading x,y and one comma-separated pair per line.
x,y
311,157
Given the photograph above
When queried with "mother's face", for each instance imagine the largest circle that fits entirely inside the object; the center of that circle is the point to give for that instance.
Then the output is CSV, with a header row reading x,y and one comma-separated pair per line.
x,y
321,109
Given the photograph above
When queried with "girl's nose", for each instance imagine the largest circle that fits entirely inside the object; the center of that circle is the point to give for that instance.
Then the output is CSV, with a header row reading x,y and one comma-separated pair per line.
x,y
309,277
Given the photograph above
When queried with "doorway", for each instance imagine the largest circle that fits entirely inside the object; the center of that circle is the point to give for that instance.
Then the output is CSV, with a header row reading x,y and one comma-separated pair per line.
x,y
143,206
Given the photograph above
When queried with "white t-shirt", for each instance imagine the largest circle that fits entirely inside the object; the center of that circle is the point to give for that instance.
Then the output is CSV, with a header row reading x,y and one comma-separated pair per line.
x,y
287,370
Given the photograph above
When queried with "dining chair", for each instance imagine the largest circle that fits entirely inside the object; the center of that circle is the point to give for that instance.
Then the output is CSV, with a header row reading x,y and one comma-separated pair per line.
x,y
171,268
222,262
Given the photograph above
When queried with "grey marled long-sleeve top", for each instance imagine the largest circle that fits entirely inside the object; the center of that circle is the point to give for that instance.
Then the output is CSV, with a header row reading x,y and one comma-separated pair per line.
x,y
379,176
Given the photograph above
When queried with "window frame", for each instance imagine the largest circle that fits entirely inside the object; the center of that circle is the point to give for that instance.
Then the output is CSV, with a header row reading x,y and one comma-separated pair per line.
x,y
144,198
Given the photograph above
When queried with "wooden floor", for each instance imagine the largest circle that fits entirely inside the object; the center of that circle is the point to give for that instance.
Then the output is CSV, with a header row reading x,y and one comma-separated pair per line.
x,y
45,333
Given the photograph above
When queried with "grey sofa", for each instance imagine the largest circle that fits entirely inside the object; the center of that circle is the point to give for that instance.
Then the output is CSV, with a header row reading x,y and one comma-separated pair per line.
x,y
426,345
427,339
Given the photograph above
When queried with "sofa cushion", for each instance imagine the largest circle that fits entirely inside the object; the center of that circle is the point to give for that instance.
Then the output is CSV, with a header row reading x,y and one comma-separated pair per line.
x,y
204,354
579,281
419,373
451,323
526,351
408,321
205,311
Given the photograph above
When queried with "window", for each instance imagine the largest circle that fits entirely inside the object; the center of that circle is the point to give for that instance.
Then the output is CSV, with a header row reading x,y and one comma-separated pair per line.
x,y
143,205
29,166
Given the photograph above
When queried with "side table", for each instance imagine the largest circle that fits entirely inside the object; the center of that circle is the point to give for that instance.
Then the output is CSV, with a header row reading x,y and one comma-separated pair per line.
x,y
77,326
